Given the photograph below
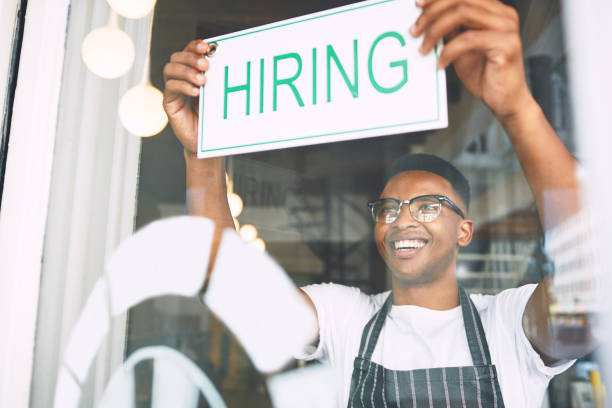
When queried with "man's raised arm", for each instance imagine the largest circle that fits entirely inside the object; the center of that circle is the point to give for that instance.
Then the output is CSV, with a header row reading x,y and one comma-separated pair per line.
x,y
206,189
484,44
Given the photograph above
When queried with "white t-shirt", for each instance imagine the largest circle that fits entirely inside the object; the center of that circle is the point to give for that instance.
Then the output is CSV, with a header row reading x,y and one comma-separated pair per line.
x,y
414,337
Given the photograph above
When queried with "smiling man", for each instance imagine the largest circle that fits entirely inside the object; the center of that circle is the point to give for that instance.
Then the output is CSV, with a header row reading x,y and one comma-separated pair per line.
x,y
416,250
426,342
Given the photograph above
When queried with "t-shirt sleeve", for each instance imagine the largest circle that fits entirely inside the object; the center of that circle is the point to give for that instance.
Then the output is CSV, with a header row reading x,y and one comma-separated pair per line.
x,y
512,303
335,305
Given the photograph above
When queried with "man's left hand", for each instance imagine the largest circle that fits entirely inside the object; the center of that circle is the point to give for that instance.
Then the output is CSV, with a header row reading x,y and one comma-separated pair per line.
x,y
483,43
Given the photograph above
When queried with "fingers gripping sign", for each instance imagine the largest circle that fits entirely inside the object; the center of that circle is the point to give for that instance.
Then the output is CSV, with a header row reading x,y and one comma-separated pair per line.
x,y
184,74
483,44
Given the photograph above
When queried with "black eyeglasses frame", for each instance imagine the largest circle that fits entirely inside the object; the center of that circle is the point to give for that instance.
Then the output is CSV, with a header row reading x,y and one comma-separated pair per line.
x,y
442,199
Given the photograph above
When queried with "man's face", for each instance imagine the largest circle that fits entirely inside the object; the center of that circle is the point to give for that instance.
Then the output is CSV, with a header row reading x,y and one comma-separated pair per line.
x,y
420,253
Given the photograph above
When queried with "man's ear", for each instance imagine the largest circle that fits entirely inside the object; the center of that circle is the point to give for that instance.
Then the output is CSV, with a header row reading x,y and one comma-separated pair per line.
x,y
465,232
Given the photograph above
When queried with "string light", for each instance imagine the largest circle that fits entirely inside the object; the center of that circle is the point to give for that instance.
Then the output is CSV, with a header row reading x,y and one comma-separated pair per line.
x,y
140,110
132,8
108,51
259,244
235,204
229,183
248,232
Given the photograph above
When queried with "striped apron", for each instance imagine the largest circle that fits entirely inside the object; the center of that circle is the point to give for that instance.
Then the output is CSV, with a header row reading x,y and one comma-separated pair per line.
x,y
372,385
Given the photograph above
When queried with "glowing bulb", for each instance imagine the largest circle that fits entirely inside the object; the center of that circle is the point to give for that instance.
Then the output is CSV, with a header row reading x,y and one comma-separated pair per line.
x,y
248,232
132,8
108,52
235,204
259,244
141,111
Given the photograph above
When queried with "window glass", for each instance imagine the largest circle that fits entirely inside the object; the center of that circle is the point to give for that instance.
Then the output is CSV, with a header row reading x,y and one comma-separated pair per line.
x,y
307,207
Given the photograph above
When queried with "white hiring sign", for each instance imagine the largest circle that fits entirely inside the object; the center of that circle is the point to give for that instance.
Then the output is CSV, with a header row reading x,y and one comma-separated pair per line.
x,y
345,73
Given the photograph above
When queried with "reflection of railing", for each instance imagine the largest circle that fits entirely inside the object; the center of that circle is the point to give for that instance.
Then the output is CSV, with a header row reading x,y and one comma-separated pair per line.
x,y
573,248
321,218
312,211
489,273
492,257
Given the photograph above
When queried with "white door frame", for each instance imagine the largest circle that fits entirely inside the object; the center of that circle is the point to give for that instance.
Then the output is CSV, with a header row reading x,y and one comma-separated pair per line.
x,y
8,16
26,192
69,197
588,32
91,203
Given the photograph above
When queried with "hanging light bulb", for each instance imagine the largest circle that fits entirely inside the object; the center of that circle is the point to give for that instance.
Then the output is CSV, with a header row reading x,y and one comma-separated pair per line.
x,y
259,244
132,8
140,110
108,51
248,232
235,204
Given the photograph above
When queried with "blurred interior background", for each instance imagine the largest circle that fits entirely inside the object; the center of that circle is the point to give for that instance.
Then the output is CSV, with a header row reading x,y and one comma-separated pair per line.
x,y
307,205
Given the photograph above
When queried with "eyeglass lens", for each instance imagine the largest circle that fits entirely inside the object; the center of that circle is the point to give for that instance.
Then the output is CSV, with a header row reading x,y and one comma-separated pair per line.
x,y
424,209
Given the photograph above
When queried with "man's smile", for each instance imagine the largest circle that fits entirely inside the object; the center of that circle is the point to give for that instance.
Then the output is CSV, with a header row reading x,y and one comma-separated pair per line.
x,y
406,247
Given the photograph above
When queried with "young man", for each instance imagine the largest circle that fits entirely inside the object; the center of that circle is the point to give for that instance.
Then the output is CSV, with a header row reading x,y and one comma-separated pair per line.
x,y
426,343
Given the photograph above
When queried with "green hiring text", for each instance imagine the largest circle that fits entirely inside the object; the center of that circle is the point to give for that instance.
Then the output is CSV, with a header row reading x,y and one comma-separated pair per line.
x,y
348,71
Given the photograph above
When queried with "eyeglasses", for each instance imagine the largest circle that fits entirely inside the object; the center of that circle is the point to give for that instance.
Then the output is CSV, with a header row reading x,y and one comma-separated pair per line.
x,y
425,208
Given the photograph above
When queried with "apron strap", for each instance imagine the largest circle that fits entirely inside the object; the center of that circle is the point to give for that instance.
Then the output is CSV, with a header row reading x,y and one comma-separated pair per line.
x,y
372,330
477,341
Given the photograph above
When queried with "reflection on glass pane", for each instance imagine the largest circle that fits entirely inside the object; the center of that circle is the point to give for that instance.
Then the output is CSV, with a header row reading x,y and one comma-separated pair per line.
x,y
308,205
176,381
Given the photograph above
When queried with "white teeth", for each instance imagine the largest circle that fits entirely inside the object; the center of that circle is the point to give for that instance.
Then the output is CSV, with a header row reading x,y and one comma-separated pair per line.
x,y
409,244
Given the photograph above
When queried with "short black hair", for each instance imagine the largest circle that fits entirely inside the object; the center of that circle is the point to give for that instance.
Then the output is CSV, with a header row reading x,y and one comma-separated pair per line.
x,y
435,165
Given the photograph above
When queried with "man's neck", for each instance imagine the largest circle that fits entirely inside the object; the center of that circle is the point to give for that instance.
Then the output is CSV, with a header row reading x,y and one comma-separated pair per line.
x,y
443,294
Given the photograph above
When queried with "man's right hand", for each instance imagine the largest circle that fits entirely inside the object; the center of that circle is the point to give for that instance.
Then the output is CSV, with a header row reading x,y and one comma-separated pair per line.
x,y
206,189
183,77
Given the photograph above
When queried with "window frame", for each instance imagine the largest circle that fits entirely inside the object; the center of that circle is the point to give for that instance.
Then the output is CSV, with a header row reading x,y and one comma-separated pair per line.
x,y
25,200
25,196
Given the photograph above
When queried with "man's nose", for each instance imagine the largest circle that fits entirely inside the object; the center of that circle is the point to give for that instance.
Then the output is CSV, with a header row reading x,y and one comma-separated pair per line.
x,y
405,219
